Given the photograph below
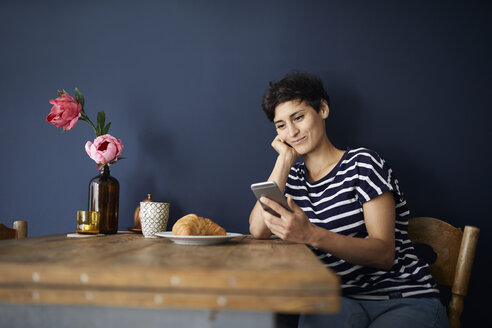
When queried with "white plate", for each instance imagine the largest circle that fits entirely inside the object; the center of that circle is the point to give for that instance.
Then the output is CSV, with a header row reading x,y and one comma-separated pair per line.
x,y
197,240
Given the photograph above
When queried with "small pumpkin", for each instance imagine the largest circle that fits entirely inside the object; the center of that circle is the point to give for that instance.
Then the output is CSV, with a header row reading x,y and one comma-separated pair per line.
x,y
136,216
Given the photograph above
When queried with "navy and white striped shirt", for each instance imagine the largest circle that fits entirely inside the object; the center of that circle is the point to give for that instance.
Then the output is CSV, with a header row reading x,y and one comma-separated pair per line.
x,y
335,203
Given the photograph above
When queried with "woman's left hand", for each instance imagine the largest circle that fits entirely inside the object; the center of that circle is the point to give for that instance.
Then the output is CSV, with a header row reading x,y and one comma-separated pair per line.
x,y
291,226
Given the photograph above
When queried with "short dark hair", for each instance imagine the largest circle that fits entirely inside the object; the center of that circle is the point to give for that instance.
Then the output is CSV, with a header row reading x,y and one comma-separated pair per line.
x,y
294,86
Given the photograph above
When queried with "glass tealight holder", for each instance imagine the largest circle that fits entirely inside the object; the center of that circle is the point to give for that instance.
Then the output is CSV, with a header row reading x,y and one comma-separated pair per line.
x,y
88,222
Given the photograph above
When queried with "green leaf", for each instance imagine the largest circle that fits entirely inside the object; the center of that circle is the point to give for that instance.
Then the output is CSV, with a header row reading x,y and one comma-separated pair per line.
x,y
106,128
79,97
101,118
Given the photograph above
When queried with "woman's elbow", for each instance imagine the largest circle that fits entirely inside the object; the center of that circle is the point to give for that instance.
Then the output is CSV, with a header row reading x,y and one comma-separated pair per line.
x,y
259,233
256,226
387,260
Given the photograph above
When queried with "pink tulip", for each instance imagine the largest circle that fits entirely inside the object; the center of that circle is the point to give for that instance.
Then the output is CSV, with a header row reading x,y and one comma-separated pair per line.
x,y
105,149
65,112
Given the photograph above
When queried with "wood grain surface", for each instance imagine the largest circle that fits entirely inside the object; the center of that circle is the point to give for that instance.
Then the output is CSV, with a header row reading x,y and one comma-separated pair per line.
x,y
129,270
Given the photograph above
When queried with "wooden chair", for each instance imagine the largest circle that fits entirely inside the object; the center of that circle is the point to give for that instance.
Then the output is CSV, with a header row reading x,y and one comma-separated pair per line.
x,y
19,230
455,250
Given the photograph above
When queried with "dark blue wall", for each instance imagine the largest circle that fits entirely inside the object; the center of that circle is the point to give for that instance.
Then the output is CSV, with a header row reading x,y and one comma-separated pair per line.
x,y
182,83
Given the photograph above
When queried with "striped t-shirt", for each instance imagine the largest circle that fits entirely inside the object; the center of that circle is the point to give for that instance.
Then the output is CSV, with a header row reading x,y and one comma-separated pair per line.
x,y
335,203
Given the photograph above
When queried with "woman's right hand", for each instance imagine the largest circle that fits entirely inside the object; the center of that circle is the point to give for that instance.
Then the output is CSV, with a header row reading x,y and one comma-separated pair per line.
x,y
284,150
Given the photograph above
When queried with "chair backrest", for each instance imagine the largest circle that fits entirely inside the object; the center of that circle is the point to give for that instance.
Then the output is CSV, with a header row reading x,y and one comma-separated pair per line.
x,y
455,251
19,230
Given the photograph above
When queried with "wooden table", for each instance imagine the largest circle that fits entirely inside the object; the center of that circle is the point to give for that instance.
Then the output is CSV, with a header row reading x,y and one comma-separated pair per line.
x,y
127,270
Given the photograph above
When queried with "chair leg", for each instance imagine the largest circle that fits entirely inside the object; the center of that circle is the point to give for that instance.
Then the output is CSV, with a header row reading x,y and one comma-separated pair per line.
x,y
455,309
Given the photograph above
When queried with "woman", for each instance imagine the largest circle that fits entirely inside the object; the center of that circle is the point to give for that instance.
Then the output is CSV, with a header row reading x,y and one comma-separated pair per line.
x,y
348,207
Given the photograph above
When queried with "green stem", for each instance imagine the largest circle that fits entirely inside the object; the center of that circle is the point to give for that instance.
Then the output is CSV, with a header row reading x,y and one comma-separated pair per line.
x,y
87,120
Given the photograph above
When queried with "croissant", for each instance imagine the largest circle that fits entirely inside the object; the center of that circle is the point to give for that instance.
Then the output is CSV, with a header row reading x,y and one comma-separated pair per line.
x,y
194,225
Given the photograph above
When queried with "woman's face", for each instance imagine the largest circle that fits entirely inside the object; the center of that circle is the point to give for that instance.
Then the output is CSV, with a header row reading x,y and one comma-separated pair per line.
x,y
299,125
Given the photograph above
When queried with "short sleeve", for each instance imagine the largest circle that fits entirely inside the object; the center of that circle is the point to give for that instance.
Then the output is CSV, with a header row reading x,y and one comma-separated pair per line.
x,y
374,176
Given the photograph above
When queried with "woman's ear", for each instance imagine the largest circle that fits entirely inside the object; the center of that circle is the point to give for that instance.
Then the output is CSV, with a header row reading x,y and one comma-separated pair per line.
x,y
324,109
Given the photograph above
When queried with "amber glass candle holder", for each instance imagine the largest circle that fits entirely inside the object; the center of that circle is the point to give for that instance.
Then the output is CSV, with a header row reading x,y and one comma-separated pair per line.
x,y
88,222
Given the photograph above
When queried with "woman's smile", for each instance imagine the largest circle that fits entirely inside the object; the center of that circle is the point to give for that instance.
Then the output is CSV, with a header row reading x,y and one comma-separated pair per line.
x,y
298,141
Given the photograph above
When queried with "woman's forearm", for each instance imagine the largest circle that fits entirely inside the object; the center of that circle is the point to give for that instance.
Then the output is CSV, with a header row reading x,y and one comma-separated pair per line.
x,y
370,252
279,175
257,226
280,171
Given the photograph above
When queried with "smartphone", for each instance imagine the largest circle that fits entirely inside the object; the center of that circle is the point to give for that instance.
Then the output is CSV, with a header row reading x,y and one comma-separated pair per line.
x,y
270,190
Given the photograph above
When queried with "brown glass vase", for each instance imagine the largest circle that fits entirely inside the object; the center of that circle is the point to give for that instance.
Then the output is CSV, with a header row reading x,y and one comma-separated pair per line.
x,y
104,193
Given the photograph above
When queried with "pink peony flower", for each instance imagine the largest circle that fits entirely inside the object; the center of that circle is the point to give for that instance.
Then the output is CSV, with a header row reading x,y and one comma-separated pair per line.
x,y
105,149
65,112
